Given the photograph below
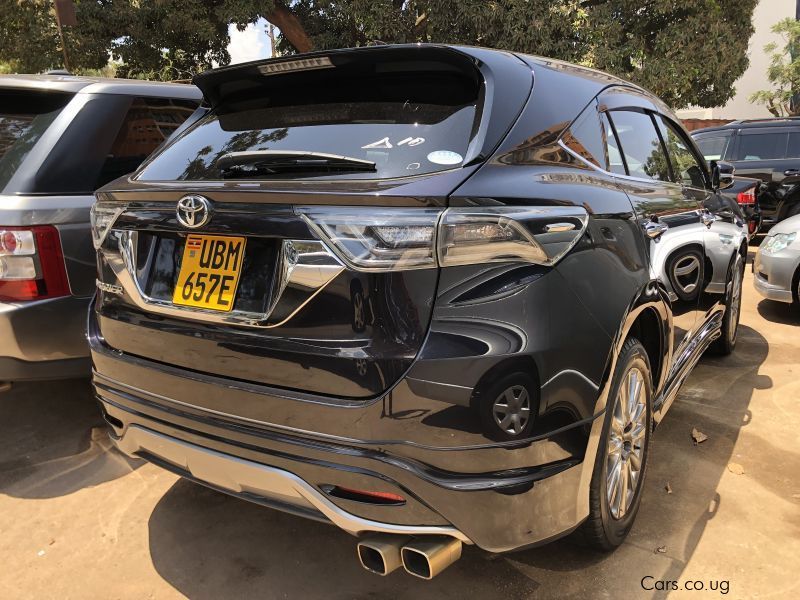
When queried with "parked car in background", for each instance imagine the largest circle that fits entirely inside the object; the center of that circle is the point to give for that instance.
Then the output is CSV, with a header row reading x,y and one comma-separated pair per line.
x,y
434,295
62,137
777,262
763,149
743,194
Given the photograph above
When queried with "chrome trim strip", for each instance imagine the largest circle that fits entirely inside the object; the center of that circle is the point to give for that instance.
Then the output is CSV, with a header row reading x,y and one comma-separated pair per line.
x,y
243,476
305,266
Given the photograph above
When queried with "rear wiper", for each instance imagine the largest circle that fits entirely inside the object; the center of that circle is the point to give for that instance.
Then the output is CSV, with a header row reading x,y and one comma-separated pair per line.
x,y
274,162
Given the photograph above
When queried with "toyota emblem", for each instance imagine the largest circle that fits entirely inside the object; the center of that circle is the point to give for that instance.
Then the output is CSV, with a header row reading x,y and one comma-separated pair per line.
x,y
193,211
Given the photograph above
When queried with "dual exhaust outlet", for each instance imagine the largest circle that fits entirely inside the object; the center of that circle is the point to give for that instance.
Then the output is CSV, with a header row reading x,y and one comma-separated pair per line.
x,y
423,557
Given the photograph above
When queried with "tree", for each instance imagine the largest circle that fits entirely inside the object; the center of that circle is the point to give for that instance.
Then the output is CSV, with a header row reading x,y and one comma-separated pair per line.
x,y
686,51
783,72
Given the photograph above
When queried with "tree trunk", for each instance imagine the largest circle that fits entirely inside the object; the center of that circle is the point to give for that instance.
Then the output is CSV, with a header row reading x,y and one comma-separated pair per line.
x,y
291,27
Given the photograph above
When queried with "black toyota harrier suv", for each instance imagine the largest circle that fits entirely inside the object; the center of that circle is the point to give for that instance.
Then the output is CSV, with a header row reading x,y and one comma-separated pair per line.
x,y
763,149
432,295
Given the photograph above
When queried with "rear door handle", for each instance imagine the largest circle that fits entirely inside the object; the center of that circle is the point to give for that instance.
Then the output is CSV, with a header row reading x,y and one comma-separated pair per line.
x,y
790,172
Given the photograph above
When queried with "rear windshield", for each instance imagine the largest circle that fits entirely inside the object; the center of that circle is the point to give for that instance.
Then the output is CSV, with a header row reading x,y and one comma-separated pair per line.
x,y
405,119
24,117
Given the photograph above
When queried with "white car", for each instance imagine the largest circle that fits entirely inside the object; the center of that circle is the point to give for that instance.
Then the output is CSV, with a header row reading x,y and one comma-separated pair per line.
x,y
777,263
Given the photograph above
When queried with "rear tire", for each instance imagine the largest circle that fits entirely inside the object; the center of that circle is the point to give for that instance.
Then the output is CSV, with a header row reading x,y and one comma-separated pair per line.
x,y
620,466
726,342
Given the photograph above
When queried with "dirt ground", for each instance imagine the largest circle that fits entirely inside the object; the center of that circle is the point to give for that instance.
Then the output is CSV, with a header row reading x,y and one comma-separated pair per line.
x,y
77,520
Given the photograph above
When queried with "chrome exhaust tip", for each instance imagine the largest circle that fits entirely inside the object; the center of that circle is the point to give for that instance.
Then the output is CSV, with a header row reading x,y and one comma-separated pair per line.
x,y
427,557
380,553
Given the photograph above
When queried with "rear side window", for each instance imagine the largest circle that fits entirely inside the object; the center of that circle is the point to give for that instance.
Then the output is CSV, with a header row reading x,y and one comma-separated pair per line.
x,y
761,146
640,144
793,149
686,169
406,117
585,137
147,124
713,147
24,117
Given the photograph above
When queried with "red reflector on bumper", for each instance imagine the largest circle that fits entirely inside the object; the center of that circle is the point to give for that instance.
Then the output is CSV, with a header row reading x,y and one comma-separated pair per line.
x,y
363,495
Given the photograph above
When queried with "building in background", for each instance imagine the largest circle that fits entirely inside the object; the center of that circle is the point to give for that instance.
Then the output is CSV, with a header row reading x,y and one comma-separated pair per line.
x,y
766,14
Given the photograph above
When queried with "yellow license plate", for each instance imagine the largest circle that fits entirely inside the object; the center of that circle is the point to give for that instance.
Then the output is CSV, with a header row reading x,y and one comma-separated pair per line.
x,y
209,272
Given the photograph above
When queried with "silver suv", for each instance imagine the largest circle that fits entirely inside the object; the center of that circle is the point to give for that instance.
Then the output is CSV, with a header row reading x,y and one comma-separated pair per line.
x,y
62,137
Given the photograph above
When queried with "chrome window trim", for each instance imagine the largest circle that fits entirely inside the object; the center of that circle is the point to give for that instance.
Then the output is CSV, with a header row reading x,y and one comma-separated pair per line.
x,y
627,177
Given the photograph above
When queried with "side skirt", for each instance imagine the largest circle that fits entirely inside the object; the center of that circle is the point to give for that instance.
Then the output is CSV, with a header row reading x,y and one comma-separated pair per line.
x,y
709,332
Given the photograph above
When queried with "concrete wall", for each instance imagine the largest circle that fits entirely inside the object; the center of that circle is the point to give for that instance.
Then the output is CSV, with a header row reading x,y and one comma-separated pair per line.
x,y
766,14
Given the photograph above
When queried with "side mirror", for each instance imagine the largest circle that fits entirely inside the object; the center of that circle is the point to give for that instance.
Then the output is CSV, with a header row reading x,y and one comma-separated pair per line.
x,y
722,174
790,177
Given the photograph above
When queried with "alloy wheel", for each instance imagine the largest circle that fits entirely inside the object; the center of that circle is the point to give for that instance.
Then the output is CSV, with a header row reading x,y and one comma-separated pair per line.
x,y
627,436
735,302
687,273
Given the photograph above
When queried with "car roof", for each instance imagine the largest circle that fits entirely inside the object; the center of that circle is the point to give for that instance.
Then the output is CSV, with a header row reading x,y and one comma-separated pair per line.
x,y
600,79
752,123
99,85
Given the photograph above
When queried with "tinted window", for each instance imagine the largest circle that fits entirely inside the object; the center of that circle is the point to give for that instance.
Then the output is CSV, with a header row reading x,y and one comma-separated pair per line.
x,y
761,146
686,169
793,149
585,137
641,146
407,122
24,117
147,124
615,162
713,147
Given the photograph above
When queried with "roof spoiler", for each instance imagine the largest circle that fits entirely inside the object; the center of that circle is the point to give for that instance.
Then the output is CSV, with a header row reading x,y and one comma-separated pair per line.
x,y
242,79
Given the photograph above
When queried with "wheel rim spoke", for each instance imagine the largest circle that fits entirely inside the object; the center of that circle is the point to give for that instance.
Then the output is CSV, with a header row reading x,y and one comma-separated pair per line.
x,y
623,489
635,462
625,442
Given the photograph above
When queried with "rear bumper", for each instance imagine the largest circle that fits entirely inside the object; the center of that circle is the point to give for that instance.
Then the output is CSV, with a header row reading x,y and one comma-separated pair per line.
x,y
498,509
258,482
44,339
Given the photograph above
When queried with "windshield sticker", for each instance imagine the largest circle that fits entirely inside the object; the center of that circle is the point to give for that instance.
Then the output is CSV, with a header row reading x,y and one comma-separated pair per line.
x,y
382,143
415,141
385,143
445,157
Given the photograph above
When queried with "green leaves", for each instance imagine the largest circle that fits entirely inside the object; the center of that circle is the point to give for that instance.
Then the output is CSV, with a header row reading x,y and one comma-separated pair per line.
x,y
686,51
783,72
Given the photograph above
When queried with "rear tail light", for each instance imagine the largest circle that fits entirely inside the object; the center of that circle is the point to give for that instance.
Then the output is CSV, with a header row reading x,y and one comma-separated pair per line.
x,y
102,216
31,264
390,239
747,197
378,239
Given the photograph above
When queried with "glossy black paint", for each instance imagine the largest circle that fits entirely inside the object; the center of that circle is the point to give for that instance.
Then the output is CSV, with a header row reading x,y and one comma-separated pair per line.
x,y
396,400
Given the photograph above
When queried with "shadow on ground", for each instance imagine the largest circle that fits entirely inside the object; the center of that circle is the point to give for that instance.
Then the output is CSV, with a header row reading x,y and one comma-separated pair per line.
x,y
53,440
779,312
208,545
